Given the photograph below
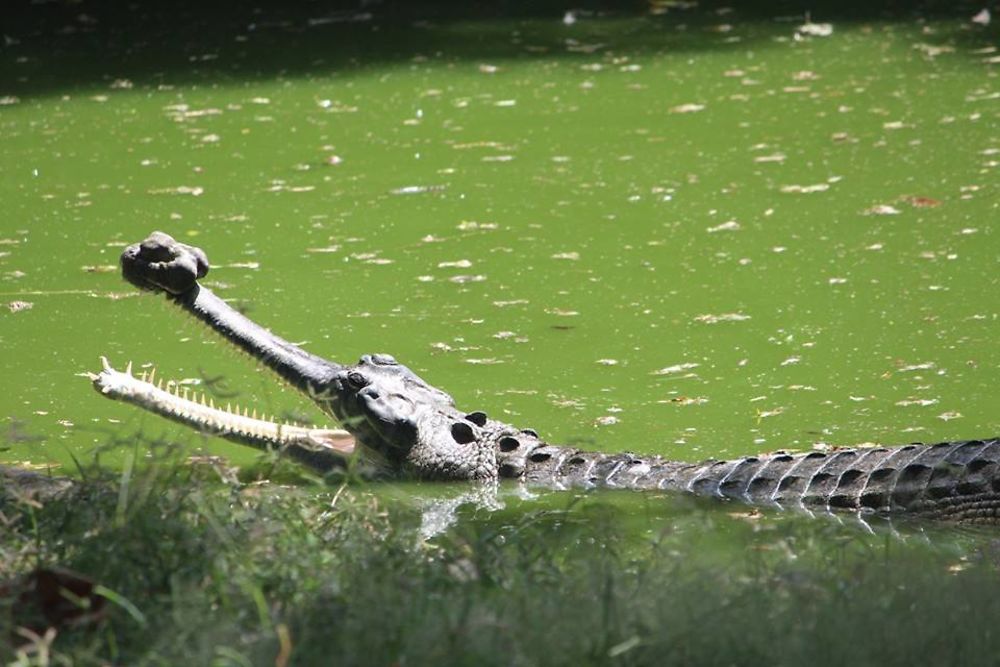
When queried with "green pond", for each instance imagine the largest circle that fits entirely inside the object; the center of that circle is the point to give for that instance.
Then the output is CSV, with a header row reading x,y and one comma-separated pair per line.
x,y
691,232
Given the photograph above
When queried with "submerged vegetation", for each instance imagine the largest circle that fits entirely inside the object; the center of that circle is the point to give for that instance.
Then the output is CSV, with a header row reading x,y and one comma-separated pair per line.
x,y
189,570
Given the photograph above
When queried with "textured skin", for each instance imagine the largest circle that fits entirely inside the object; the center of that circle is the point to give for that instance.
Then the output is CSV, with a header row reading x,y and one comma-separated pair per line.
x,y
957,481
415,429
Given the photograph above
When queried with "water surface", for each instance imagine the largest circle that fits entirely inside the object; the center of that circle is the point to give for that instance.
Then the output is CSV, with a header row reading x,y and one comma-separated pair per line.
x,y
686,233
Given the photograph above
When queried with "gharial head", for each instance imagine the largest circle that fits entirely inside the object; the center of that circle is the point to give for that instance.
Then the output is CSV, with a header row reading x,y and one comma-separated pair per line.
x,y
408,423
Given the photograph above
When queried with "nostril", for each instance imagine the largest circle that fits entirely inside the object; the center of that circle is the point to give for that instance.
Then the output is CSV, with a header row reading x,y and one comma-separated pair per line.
x,y
370,392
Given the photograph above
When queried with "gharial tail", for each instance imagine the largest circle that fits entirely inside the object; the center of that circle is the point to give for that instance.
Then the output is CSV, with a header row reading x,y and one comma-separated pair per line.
x,y
955,481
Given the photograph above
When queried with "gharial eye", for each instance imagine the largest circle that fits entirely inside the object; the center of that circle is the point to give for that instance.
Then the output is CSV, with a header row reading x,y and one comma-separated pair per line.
x,y
357,380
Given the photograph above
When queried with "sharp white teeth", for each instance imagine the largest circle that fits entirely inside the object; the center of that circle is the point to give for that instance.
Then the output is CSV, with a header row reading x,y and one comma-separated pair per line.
x,y
197,408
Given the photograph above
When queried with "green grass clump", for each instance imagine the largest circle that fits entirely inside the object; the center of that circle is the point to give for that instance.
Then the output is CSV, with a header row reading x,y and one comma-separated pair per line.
x,y
202,573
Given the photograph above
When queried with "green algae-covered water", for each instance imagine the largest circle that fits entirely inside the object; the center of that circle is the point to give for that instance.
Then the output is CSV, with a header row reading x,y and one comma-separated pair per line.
x,y
687,232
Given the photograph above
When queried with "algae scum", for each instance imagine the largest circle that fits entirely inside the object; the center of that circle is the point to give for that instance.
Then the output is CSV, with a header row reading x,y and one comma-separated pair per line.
x,y
686,231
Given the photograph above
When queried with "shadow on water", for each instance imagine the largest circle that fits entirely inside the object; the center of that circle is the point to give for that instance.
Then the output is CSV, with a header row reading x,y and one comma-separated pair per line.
x,y
55,47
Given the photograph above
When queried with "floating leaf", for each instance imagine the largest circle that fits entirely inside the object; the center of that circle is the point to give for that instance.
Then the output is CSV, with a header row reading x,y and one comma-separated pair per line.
x,y
687,108
805,189
676,368
730,226
723,317
882,209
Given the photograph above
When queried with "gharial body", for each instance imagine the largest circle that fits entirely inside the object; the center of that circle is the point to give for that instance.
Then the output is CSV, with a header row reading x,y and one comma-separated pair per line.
x,y
414,429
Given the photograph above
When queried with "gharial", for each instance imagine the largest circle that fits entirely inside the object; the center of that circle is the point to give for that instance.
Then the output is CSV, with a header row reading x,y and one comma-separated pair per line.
x,y
413,429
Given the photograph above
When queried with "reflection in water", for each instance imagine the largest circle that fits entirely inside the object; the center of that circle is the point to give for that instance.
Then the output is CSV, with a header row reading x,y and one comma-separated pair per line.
x,y
642,515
